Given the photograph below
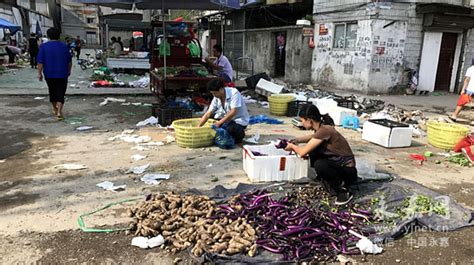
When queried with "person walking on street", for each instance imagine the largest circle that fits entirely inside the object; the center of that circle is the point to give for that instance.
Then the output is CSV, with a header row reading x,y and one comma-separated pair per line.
x,y
467,92
78,47
55,62
33,49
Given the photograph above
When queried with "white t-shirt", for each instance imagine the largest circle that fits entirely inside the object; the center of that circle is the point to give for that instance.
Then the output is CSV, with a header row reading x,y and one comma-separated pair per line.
x,y
470,74
233,99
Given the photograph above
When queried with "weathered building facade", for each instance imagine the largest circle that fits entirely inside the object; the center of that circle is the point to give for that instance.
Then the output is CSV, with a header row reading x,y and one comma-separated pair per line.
x,y
268,35
80,20
31,15
370,46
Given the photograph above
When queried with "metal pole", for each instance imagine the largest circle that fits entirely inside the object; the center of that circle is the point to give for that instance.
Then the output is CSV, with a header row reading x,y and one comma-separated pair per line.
x,y
164,42
164,35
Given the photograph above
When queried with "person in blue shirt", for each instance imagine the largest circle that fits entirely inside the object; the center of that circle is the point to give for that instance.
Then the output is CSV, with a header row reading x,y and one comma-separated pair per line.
x,y
228,108
55,62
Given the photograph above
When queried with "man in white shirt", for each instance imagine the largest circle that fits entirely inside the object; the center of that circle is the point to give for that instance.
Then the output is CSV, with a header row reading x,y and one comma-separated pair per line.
x,y
228,107
466,93
116,48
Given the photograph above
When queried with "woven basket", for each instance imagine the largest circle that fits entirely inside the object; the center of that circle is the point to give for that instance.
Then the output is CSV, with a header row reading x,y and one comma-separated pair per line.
x,y
279,103
191,136
445,135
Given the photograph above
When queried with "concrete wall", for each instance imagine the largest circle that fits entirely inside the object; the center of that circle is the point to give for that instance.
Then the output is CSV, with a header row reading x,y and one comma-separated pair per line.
x,y
260,45
468,54
342,68
388,60
298,57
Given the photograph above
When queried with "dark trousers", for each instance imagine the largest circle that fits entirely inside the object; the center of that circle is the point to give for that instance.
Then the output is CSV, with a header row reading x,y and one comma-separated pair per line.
x,y
335,178
11,56
57,89
235,130
78,52
33,59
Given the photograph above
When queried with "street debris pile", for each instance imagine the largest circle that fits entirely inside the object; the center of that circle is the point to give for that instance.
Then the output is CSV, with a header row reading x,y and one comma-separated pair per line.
x,y
186,220
300,224
181,71
103,77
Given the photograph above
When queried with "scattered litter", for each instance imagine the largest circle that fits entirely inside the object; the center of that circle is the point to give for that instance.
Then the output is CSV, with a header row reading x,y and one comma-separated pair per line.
x,y
366,171
72,85
39,98
129,114
128,137
214,179
2,161
209,166
140,148
74,120
169,139
107,185
150,121
139,170
140,83
254,139
154,179
107,100
366,246
428,154
84,128
153,144
71,166
419,158
143,242
138,157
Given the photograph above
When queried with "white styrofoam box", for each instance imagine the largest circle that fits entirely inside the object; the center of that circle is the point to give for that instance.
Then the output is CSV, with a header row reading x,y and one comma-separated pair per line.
x,y
323,104
338,114
390,137
303,22
277,165
269,87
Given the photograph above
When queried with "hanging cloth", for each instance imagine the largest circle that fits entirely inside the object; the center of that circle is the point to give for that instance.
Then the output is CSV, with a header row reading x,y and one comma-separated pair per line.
x,y
165,49
194,49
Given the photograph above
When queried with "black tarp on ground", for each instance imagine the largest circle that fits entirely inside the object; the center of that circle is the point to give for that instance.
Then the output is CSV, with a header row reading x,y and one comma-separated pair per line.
x,y
394,193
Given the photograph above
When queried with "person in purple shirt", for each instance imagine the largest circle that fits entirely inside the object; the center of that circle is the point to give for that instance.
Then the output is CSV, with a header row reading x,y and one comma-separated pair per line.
x,y
54,61
222,64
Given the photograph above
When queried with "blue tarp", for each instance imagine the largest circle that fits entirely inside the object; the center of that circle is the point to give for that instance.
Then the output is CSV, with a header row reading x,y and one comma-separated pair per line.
x,y
8,25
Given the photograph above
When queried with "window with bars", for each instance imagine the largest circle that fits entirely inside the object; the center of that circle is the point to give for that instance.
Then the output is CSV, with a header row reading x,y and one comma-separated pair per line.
x,y
345,35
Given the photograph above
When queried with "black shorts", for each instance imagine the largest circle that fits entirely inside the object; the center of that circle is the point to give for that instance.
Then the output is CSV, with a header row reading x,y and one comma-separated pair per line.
x,y
57,89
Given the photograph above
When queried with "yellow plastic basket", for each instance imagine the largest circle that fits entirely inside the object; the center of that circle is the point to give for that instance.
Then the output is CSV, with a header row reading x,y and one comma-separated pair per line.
x,y
445,135
279,103
189,135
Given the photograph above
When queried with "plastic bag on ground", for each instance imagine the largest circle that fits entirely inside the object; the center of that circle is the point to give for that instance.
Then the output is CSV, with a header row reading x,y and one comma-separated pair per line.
x,y
223,139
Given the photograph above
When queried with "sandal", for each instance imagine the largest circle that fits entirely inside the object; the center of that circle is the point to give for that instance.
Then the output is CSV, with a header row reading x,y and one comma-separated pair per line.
x,y
60,117
452,118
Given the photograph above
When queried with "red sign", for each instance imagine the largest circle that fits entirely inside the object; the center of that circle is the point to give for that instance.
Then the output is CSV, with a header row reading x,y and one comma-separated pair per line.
x,y
308,32
323,30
